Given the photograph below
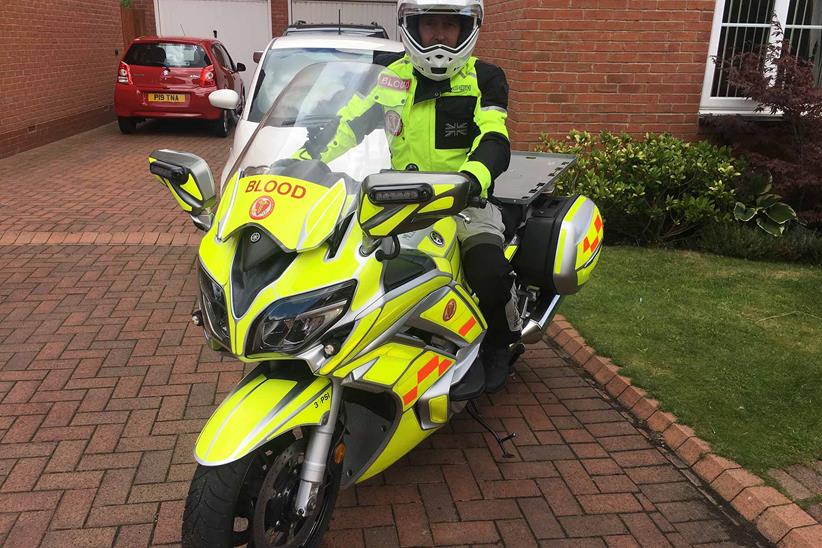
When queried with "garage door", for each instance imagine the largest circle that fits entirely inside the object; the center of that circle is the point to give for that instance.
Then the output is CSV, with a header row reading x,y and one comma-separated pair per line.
x,y
244,26
360,12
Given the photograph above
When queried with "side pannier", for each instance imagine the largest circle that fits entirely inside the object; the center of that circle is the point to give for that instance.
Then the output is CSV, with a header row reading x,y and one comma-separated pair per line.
x,y
560,246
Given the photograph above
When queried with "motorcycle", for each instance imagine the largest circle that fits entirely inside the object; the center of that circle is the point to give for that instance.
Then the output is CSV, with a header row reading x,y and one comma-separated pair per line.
x,y
343,283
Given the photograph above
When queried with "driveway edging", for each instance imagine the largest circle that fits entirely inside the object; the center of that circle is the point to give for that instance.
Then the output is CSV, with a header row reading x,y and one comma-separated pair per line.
x,y
776,517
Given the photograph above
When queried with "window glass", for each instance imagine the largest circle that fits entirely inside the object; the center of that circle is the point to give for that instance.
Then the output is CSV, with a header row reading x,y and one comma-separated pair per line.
x,y
804,32
165,54
747,25
281,65
231,63
222,56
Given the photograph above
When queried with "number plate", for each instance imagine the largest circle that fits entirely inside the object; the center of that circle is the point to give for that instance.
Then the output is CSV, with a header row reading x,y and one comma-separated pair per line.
x,y
167,97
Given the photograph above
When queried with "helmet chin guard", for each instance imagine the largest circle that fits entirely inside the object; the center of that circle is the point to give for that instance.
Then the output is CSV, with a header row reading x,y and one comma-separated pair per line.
x,y
439,61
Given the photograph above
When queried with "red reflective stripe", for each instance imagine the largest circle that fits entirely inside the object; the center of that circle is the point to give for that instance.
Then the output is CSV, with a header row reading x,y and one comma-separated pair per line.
x,y
427,368
410,396
598,223
444,365
468,325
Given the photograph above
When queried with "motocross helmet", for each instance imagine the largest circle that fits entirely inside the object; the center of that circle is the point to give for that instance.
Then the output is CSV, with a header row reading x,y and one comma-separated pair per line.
x,y
439,61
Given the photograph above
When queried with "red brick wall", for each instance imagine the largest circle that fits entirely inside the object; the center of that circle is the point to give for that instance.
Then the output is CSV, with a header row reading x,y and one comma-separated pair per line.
x,y
58,63
149,22
621,65
279,16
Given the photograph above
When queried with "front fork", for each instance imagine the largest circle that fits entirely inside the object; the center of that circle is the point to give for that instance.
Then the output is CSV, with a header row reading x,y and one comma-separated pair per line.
x,y
317,453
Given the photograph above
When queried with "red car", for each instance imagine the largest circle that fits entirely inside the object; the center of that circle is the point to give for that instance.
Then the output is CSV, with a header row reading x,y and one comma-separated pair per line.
x,y
172,77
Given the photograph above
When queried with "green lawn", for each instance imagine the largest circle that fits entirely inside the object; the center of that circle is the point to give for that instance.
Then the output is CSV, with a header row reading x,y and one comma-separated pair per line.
x,y
732,347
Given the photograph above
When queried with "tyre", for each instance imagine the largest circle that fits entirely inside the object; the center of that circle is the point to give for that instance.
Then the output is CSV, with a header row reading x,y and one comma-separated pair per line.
x,y
223,124
251,501
127,125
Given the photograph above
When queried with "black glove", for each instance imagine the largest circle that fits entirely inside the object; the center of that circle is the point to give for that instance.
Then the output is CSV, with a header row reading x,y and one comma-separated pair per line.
x,y
475,198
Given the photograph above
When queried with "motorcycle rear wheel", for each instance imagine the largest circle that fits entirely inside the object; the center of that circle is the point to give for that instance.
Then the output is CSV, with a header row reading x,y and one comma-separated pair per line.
x,y
251,501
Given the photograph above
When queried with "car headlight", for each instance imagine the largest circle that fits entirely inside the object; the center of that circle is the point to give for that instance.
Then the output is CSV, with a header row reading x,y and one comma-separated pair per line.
x,y
294,322
214,308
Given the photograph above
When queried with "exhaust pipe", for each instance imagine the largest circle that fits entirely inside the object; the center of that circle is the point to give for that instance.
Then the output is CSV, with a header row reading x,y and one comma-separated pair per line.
x,y
533,330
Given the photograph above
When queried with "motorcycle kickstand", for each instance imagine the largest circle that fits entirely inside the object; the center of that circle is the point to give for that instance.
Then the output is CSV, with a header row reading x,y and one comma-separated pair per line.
x,y
474,412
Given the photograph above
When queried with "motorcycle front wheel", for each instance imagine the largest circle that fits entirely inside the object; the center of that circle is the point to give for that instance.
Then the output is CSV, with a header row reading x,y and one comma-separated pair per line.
x,y
251,501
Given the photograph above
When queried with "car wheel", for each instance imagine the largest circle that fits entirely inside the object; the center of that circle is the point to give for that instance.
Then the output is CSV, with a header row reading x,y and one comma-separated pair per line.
x,y
127,125
223,124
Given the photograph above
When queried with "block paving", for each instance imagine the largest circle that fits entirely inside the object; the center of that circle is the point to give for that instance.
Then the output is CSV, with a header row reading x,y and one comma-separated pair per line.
x,y
105,384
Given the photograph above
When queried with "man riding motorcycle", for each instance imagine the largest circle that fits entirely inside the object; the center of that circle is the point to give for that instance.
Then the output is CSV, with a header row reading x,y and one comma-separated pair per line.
x,y
451,118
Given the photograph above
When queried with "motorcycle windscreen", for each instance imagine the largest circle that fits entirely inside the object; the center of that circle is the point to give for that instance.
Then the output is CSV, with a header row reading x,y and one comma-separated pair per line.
x,y
298,214
299,174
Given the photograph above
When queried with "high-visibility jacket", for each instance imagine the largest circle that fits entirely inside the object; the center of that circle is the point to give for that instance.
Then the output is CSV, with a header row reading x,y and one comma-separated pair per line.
x,y
450,125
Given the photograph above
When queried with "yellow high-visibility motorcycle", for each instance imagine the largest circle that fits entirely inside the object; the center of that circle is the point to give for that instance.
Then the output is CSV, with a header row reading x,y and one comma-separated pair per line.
x,y
342,281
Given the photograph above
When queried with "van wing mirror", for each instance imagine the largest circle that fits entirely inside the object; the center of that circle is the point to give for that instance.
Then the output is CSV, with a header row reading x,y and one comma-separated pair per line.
x,y
189,179
395,202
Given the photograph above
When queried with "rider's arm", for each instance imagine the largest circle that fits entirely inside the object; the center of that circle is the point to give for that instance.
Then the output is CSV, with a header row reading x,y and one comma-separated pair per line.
x,y
354,121
490,152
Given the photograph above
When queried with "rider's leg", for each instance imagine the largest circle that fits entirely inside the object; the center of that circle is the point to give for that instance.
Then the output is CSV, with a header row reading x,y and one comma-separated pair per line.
x,y
491,276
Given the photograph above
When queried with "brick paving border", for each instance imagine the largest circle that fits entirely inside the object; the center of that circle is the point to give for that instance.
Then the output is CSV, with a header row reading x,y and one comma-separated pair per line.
x,y
779,519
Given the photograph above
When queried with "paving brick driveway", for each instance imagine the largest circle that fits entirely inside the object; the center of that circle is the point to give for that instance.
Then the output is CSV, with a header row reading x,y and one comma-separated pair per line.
x,y
104,384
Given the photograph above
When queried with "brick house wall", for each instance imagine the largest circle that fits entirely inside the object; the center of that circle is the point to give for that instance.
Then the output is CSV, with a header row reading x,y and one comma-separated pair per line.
x,y
620,65
279,16
58,62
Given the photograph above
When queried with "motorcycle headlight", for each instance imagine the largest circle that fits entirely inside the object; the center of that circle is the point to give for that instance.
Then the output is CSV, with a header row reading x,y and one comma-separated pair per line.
x,y
291,324
215,313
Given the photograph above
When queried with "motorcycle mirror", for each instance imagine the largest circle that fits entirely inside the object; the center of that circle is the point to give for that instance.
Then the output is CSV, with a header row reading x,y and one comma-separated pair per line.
x,y
189,179
226,99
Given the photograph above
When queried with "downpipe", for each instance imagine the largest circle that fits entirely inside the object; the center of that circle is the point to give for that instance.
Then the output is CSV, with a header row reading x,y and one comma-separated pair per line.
x,y
536,325
316,454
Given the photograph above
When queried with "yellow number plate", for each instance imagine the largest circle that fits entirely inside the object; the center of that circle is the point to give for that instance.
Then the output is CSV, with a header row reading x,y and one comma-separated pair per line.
x,y
167,97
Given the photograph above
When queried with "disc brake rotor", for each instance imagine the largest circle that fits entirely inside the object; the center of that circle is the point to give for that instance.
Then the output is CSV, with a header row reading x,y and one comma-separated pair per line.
x,y
276,522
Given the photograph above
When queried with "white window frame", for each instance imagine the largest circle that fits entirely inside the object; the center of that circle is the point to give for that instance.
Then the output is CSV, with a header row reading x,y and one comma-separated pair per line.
x,y
731,105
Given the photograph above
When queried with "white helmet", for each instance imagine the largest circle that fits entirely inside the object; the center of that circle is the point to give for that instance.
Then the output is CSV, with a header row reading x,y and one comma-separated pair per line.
x,y
439,61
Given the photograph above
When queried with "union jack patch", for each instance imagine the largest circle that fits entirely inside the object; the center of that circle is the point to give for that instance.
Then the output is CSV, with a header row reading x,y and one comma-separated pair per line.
x,y
456,129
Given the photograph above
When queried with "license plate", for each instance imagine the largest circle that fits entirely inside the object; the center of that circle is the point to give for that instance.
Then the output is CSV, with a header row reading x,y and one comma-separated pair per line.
x,y
167,97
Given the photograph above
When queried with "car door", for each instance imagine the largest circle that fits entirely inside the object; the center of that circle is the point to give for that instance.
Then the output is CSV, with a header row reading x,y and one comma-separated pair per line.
x,y
227,67
239,86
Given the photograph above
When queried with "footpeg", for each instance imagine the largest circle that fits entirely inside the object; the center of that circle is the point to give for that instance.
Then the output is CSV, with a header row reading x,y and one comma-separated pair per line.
x,y
472,385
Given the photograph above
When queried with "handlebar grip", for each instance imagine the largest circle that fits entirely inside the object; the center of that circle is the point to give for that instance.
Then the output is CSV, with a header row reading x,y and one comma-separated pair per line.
x,y
477,201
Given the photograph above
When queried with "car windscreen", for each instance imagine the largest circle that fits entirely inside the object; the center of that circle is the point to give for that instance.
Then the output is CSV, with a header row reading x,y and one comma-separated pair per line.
x,y
167,54
281,65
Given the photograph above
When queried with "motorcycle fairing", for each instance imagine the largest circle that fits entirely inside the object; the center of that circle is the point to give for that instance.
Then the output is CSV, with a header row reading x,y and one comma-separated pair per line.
x,y
299,215
381,220
264,405
455,317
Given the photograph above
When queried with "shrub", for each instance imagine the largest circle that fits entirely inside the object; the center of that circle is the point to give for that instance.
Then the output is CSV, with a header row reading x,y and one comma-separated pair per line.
x,y
765,209
798,244
791,150
654,191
